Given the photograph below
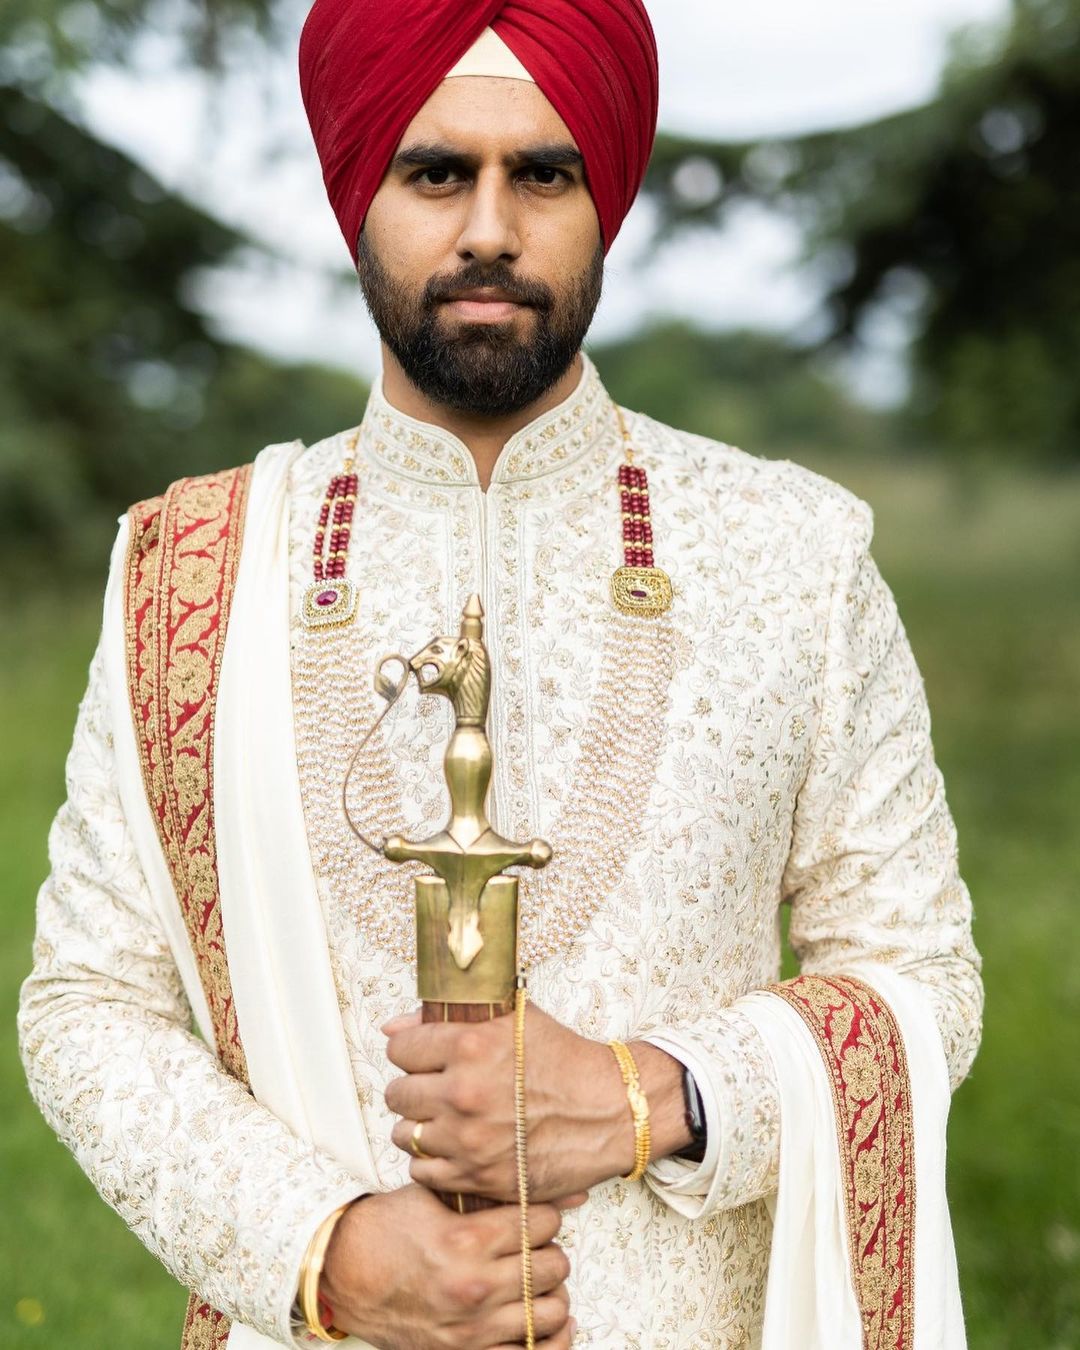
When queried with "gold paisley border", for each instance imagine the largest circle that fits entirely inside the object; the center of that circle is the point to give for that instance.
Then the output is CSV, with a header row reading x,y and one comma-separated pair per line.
x,y
863,1050
183,553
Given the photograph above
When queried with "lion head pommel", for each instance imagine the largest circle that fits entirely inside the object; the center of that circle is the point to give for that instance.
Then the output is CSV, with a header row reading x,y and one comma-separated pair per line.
x,y
458,668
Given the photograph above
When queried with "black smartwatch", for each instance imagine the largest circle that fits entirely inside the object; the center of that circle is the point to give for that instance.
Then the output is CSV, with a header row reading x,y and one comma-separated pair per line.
x,y
695,1120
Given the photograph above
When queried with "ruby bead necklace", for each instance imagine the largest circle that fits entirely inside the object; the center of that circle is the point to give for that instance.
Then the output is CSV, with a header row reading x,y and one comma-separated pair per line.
x,y
638,587
330,600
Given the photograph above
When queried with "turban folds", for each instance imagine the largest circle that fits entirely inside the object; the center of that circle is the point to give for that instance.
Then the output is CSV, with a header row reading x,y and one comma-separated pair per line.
x,y
367,67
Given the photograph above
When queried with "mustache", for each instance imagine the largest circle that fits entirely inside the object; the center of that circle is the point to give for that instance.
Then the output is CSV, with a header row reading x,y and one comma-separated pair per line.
x,y
520,289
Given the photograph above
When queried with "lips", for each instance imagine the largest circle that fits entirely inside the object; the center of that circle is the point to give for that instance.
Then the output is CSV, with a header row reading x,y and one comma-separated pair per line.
x,y
485,295
485,305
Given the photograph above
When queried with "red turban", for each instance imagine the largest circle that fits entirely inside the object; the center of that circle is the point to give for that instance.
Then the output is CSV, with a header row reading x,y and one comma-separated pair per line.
x,y
367,67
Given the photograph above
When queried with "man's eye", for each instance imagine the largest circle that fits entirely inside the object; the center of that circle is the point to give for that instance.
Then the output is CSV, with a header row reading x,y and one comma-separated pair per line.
x,y
545,176
436,177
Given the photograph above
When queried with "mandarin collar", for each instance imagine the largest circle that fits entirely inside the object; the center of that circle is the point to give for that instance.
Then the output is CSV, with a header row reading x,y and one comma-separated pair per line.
x,y
559,446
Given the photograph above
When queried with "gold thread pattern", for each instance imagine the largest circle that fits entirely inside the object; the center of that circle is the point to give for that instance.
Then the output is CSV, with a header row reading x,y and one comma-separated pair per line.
x,y
204,1329
181,570
182,563
863,1051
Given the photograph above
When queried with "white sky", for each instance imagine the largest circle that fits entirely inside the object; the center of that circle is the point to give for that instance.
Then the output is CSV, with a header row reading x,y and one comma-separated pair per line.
x,y
727,70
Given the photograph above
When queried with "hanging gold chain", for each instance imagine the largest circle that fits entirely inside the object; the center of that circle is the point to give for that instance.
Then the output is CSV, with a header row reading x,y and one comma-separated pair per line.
x,y
521,999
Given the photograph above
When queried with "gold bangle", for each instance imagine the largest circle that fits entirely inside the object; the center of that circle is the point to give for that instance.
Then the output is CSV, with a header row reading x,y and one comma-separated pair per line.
x,y
639,1109
310,1274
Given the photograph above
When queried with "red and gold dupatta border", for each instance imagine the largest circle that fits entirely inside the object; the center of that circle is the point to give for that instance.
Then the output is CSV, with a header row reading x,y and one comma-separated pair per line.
x,y
863,1050
182,558
204,1329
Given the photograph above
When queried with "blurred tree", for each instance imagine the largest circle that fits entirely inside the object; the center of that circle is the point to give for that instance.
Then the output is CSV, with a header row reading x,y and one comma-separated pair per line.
x,y
962,216
41,41
112,381
747,388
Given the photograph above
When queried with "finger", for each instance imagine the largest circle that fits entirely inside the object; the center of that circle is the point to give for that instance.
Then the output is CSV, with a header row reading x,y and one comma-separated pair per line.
x,y
448,1177
551,1312
412,1019
406,1130
427,1048
550,1269
417,1096
504,1224
562,1340
572,1201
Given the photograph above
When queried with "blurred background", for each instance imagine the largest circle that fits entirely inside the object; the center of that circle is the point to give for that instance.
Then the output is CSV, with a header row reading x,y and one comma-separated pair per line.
x,y
859,248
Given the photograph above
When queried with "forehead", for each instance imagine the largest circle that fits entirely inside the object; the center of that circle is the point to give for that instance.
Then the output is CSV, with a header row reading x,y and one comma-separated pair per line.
x,y
486,115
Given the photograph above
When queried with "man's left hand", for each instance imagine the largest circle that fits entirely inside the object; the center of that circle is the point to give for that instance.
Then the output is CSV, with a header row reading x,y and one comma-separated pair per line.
x,y
460,1084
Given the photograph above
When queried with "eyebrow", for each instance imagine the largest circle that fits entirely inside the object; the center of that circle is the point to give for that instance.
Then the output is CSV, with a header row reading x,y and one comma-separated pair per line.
x,y
427,156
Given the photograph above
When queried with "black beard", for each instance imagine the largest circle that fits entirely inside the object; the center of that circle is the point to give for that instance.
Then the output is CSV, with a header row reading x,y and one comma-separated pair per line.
x,y
484,370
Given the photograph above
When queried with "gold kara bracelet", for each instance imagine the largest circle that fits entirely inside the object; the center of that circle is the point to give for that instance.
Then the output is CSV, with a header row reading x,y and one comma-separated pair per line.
x,y
639,1109
311,1272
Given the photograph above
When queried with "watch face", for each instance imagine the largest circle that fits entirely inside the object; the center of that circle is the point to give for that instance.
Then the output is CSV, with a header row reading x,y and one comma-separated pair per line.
x,y
695,1109
695,1119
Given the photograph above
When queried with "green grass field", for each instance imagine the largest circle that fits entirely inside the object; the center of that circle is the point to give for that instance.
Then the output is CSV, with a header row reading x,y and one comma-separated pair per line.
x,y
986,570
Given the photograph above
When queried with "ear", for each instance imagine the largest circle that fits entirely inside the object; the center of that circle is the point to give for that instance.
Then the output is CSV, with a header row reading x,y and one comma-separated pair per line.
x,y
460,648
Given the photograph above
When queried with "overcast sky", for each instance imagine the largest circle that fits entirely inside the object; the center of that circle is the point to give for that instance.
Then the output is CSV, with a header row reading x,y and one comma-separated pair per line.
x,y
727,70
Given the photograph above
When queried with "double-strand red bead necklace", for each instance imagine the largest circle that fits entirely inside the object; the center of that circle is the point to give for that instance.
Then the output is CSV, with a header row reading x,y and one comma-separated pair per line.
x,y
639,587
330,600
636,516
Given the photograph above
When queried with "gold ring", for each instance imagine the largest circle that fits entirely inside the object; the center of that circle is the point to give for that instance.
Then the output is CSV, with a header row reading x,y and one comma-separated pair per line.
x,y
414,1142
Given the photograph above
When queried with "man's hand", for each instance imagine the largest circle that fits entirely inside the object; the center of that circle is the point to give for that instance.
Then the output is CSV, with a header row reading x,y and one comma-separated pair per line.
x,y
405,1273
460,1084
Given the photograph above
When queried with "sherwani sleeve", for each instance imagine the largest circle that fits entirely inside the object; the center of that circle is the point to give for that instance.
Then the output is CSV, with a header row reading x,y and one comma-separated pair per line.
x,y
215,1185
872,877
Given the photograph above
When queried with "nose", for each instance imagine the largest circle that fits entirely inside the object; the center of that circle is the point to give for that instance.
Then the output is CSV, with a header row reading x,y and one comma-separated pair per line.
x,y
490,231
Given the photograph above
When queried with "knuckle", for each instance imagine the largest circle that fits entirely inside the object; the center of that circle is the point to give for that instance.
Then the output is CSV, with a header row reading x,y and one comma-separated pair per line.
x,y
466,1241
467,1292
467,1096
470,1045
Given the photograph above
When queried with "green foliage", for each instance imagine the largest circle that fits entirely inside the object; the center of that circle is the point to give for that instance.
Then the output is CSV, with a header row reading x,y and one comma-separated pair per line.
x,y
964,214
747,388
113,383
41,41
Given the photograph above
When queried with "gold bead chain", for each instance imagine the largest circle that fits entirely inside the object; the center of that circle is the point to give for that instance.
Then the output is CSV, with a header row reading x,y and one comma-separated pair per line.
x,y
520,1135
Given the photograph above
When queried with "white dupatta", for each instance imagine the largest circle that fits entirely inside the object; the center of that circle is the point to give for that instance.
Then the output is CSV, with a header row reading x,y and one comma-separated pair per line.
x,y
279,963
810,1301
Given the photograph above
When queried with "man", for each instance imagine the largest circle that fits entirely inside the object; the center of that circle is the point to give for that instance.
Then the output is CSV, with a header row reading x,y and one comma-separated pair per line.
x,y
734,722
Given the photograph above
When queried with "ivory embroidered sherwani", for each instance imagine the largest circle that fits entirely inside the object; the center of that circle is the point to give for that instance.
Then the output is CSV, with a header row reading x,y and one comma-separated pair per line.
x,y
767,742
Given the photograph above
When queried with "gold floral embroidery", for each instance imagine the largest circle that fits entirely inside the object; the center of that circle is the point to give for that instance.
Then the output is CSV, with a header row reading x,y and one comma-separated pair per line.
x,y
861,1044
181,569
204,1329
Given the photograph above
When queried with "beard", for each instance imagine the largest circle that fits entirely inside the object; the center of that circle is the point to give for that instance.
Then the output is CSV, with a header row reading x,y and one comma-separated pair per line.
x,y
481,369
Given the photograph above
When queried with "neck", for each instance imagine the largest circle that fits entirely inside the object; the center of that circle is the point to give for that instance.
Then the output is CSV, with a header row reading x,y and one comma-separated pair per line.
x,y
483,436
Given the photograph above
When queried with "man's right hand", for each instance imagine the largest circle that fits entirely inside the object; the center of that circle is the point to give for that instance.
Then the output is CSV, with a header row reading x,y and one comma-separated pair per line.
x,y
403,1272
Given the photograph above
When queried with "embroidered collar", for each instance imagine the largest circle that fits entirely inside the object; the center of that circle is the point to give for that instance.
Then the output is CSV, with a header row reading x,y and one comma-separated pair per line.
x,y
562,444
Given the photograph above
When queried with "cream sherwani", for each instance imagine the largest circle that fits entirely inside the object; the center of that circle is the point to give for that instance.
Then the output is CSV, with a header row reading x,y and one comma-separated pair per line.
x,y
766,743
